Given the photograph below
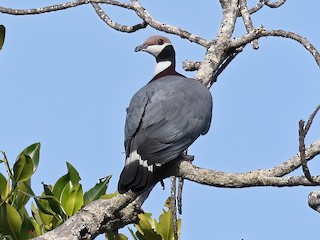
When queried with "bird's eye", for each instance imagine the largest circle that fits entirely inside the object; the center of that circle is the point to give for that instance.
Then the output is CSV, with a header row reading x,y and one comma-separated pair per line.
x,y
160,41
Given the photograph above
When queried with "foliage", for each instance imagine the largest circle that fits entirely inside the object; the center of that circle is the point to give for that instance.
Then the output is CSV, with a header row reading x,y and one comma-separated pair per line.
x,y
58,202
149,228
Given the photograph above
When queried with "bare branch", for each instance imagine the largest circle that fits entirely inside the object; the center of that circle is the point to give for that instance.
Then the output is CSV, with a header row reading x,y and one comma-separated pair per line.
x,y
97,217
314,200
261,32
179,197
274,4
302,150
190,65
62,6
303,130
262,3
122,28
293,163
240,180
267,177
145,16
312,116
173,203
247,21
217,51
257,7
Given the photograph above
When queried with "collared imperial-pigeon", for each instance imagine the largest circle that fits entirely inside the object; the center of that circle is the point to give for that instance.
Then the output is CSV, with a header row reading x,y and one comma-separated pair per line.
x,y
163,119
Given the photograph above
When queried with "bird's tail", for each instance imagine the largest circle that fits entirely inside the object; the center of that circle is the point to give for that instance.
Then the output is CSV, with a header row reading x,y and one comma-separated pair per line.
x,y
136,175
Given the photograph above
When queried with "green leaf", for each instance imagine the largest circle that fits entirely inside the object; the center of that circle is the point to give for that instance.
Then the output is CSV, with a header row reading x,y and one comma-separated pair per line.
x,y
146,227
132,234
3,186
97,191
36,226
73,174
23,168
10,220
36,216
2,35
60,185
46,214
53,202
27,229
72,199
21,198
165,226
33,151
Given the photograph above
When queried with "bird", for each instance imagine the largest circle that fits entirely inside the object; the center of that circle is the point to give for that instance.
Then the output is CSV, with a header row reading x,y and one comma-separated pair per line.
x,y
163,118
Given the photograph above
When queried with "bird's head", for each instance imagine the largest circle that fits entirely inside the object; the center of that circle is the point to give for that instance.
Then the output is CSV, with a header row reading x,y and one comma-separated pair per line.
x,y
155,45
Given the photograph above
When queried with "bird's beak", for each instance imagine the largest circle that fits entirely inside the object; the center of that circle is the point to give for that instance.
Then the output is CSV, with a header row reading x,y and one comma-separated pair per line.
x,y
141,47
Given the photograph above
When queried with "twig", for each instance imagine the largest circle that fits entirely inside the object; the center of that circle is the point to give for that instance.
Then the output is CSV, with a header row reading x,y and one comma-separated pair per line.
x,y
275,4
303,130
262,3
179,197
122,28
247,21
191,66
173,208
62,6
302,150
311,117
257,7
314,200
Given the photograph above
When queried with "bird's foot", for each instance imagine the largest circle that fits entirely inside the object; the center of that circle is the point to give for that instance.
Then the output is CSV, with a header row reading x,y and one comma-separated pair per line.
x,y
186,157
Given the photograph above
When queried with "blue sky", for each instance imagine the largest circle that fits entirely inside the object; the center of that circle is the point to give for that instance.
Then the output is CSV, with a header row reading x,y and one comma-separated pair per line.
x,y
66,79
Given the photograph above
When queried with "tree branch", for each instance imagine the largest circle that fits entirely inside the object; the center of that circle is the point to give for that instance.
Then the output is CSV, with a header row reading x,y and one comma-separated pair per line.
x,y
145,16
217,52
122,28
275,4
261,32
62,6
247,20
314,200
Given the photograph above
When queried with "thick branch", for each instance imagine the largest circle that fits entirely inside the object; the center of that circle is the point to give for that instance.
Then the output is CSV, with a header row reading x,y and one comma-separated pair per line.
x,y
217,52
95,218
269,177
239,180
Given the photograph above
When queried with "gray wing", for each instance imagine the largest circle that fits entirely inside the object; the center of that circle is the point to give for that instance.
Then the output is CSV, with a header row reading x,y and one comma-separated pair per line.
x,y
134,115
165,117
